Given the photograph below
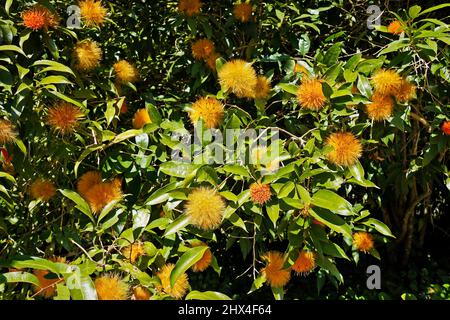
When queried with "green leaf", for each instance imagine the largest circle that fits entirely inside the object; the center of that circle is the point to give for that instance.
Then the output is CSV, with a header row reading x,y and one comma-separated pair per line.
x,y
178,224
206,295
395,46
19,276
332,221
414,11
33,263
187,260
53,66
81,204
273,211
66,98
288,87
85,153
54,80
236,169
177,169
379,226
8,4
84,289
10,47
438,7
257,283
332,55
126,135
329,200
278,293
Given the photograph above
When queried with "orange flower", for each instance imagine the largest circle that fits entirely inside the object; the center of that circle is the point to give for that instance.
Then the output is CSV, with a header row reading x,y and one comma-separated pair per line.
x,y
387,82
64,117
93,12
7,132
47,280
87,55
260,193
406,91
87,181
103,193
262,88
305,262
211,60
180,287
380,108
189,7
243,11
125,72
239,77
205,261
395,27
202,49
210,110
42,189
133,251
346,148
141,118
39,17
363,241
274,272
445,127
111,287
310,94
141,293
205,207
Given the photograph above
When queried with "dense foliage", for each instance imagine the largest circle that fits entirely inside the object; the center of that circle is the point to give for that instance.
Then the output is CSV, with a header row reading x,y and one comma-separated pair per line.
x,y
102,196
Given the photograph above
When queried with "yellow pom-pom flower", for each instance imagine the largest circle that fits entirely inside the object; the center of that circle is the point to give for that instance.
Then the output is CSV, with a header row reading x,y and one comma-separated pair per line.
x,y
346,148
103,193
64,117
141,293
276,275
209,109
363,241
125,72
133,251
260,193
42,189
111,287
205,207
262,88
239,77
180,287
406,92
395,27
304,263
206,259
386,82
243,11
310,94
92,12
202,49
87,55
189,7
87,181
141,118
7,132
47,280
380,108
